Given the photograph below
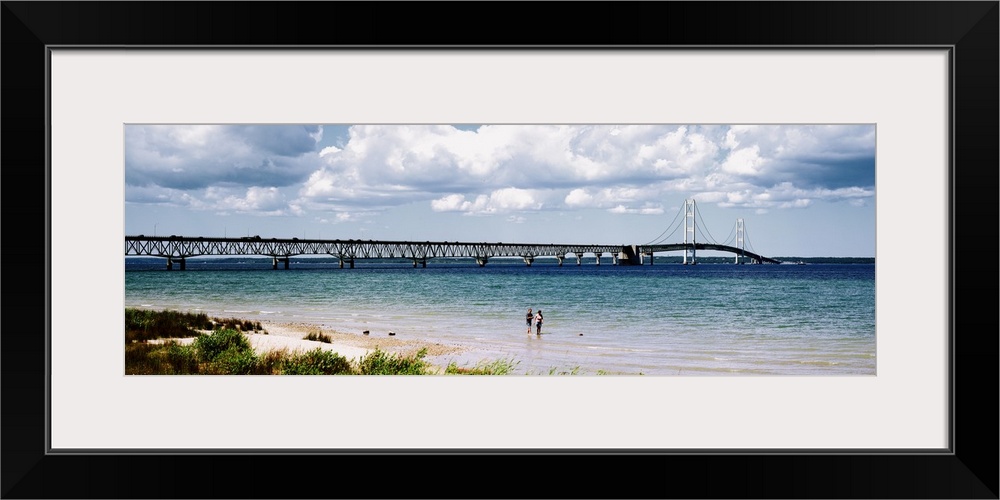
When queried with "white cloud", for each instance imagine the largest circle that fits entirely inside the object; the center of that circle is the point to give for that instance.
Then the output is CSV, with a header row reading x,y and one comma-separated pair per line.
x,y
450,203
499,201
329,150
744,161
496,169
578,198
622,209
256,200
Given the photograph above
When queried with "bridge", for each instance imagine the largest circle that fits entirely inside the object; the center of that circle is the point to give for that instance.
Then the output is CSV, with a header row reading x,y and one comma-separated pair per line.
x,y
177,249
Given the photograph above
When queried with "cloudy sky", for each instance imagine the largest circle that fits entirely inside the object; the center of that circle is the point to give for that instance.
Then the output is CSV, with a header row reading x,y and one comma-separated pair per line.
x,y
802,190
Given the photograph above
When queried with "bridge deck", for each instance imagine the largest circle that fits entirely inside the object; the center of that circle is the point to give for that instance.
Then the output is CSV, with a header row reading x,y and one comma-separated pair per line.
x,y
182,247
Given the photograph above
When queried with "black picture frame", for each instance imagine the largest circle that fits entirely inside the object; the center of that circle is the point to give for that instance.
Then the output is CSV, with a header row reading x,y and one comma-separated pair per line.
x,y
969,28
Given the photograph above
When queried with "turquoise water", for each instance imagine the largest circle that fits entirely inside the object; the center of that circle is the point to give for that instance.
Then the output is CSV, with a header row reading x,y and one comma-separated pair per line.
x,y
669,319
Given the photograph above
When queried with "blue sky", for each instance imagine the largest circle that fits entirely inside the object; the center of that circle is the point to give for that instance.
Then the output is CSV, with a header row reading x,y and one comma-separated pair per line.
x,y
802,190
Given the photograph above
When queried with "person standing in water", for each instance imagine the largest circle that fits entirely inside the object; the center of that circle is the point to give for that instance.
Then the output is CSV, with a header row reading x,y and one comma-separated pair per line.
x,y
538,322
529,317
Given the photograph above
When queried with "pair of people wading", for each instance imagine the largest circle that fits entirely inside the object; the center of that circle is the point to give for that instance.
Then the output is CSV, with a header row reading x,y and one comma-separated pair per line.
x,y
536,318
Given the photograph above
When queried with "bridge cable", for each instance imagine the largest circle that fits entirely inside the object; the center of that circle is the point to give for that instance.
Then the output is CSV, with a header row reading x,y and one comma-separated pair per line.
x,y
667,237
746,237
698,213
732,234
659,238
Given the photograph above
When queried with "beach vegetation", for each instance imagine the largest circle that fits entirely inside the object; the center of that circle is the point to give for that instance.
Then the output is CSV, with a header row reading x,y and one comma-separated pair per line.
x,y
241,325
572,371
271,362
316,362
220,347
142,325
234,361
319,337
212,346
379,362
169,358
496,367
229,352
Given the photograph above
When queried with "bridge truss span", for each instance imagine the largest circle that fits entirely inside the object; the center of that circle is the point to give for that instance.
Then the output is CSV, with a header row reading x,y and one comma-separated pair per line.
x,y
176,249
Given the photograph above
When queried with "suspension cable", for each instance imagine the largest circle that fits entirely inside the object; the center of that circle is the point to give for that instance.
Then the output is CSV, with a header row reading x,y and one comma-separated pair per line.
x,y
746,238
732,235
698,214
659,238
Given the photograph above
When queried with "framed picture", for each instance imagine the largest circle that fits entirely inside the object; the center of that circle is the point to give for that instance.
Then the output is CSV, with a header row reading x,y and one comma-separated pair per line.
x,y
921,75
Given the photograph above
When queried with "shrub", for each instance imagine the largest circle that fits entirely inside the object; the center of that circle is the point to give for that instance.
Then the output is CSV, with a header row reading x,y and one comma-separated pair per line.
x,y
235,361
182,359
138,359
160,359
379,362
211,346
318,337
316,362
270,362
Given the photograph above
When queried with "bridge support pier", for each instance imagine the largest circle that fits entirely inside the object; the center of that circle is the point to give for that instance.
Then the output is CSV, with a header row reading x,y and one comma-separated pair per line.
x,y
598,258
482,261
579,259
275,260
180,260
350,261
528,260
629,255
560,259
422,262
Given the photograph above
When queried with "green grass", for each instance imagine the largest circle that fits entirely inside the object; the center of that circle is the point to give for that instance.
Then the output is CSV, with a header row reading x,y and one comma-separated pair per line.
x,y
496,367
557,371
379,362
212,346
143,325
228,352
148,325
170,358
316,362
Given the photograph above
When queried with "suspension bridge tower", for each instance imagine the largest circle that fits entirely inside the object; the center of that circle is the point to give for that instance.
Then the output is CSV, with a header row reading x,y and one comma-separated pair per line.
x,y
689,232
739,241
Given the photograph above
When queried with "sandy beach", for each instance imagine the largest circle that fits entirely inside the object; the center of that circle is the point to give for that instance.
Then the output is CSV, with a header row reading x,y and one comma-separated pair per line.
x,y
353,346
349,345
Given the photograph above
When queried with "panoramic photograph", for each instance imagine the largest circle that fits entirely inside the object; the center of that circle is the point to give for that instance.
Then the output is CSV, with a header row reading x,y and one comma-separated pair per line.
x,y
500,249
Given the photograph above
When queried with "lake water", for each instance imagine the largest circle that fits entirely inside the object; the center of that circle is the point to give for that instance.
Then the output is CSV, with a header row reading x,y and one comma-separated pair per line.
x,y
662,320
